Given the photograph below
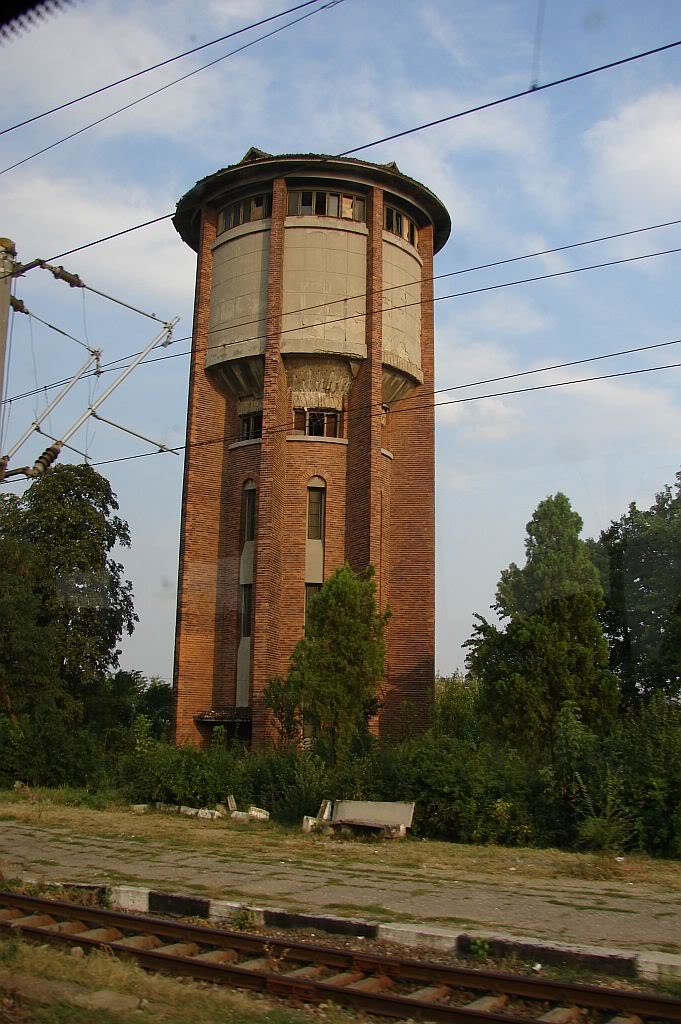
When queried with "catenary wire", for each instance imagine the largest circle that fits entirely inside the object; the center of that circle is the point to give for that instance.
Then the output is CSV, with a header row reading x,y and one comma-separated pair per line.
x,y
426,405
513,96
155,92
452,295
438,298
548,85
155,67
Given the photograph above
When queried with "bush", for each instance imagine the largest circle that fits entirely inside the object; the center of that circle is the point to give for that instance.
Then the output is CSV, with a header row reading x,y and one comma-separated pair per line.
x,y
49,752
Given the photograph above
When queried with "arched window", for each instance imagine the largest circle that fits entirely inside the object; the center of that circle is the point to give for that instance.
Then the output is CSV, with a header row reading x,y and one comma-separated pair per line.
x,y
248,498
316,508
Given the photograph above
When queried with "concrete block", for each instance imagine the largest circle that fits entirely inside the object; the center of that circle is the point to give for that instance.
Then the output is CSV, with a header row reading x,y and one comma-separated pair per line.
x,y
657,966
326,810
443,939
191,812
140,808
208,815
222,910
258,813
373,812
231,802
311,824
239,815
130,897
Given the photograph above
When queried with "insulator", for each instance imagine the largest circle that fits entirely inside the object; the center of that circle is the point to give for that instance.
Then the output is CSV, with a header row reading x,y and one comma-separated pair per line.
x,y
4,463
17,305
44,461
63,275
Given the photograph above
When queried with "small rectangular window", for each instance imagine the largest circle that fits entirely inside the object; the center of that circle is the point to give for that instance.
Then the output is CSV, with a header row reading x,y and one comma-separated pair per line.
x,y
320,204
306,207
332,204
299,420
245,211
315,424
258,208
246,608
235,215
389,219
398,223
346,207
222,220
406,224
360,210
412,233
331,425
250,426
315,513
293,198
268,206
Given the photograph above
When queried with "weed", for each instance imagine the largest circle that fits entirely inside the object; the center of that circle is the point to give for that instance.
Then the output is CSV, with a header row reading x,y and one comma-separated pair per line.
x,y
478,949
243,919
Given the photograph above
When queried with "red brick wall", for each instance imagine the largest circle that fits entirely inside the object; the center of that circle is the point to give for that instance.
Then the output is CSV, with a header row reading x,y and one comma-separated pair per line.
x,y
271,510
364,413
202,591
411,633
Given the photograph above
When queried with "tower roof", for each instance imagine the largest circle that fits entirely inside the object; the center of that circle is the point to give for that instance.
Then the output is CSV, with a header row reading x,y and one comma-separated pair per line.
x,y
258,166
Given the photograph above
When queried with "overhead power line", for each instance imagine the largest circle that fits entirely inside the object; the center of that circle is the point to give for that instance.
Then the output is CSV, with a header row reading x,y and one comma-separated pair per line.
x,y
168,85
155,67
410,131
426,405
452,295
514,96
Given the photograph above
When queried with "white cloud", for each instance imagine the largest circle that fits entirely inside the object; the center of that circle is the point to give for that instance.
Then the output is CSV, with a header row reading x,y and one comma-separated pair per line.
x,y
636,157
49,215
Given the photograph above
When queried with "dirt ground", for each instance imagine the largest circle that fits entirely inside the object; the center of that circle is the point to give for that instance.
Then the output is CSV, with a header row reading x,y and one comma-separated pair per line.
x,y
546,894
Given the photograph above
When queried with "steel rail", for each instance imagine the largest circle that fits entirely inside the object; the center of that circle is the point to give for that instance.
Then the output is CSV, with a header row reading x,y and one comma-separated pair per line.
x,y
55,920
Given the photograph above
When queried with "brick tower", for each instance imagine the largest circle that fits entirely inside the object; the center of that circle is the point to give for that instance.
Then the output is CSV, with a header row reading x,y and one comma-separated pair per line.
x,y
310,430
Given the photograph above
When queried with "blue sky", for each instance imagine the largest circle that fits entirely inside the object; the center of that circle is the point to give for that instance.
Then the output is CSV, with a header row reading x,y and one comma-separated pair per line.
x,y
593,157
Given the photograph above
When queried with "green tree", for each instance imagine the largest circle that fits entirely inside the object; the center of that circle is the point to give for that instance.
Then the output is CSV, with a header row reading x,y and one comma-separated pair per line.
x,y
639,558
67,521
338,665
27,656
552,648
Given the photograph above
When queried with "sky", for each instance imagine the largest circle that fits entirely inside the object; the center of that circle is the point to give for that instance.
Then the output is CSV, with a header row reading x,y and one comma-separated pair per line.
x,y
582,160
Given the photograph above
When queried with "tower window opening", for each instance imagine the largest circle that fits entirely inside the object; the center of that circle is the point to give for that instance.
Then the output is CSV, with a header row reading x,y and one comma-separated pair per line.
x,y
316,422
319,203
397,223
248,511
246,608
245,210
250,426
311,591
315,512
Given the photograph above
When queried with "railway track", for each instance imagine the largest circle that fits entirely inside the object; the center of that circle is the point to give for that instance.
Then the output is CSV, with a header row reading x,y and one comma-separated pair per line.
x,y
303,972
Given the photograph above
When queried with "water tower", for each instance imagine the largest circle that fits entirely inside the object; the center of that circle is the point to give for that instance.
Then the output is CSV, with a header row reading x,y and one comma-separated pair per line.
x,y
310,430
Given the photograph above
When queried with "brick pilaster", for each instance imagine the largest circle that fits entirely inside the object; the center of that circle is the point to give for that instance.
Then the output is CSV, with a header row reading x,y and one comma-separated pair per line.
x,y
363,522
201,593
271,510
411,634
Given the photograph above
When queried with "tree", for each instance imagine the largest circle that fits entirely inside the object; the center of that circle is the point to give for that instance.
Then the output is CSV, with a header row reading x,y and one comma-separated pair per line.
x,y
27,662
552,649
65,523
337,667
639,558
